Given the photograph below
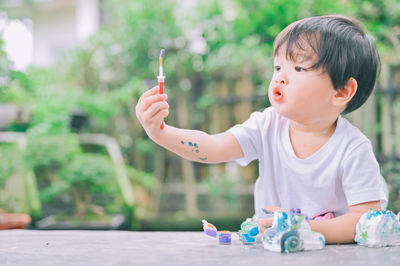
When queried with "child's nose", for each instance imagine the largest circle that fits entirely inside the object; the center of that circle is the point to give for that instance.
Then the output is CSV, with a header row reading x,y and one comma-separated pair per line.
x,y
281,79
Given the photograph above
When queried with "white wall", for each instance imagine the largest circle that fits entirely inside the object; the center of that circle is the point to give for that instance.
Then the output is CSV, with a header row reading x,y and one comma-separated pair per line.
x,y
87,18
58,26
18,43
53,34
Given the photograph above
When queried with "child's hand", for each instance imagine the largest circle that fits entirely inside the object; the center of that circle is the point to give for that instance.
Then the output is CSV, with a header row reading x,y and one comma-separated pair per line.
x,y
151,109
264,223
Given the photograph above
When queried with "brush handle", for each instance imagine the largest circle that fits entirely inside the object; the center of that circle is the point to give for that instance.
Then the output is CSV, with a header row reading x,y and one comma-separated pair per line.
x,y
161,86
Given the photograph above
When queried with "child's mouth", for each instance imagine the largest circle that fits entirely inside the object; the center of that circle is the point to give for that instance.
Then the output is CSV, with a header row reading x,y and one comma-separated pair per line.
x,y
277,94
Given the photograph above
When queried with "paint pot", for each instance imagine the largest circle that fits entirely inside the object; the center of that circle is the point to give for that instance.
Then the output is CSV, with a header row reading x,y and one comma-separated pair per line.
x,y
247,239
209,229
253,232
210,232
225,237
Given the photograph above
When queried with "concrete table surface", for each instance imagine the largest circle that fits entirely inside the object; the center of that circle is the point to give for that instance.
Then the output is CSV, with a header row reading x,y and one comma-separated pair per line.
x,y
30,247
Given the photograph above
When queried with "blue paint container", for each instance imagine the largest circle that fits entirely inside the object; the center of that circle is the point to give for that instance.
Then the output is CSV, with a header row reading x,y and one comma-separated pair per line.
x,y
247,239
225,237
253,232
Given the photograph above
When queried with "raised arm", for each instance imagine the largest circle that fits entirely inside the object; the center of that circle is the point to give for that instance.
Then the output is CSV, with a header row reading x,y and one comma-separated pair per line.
x,y
194,145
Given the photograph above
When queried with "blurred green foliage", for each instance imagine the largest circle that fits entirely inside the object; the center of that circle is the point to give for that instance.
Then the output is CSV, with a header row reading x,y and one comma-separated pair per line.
x,y
222,187
145,179
90,173
391,172
51,150
10,161
10,166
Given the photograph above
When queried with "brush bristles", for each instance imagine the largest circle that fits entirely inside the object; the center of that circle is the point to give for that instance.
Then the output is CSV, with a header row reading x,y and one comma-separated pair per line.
x,y
161,56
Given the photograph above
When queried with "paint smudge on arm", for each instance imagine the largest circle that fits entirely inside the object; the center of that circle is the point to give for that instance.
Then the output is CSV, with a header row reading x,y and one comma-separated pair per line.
x,y
192,145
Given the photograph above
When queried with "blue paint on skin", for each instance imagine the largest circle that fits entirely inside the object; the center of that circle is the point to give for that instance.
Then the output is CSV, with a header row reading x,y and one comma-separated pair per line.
x,y
203,159
194,146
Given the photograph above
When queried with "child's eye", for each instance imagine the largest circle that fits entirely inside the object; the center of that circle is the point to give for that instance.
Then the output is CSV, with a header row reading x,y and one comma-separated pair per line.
x,y
277,68
299,68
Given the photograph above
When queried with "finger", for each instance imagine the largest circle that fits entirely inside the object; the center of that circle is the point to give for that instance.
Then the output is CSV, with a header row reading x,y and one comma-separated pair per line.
x,y
150,100
164,113
270,209
264,222
158,118
156,108
152,91
261,229
276,209
159,101
142,110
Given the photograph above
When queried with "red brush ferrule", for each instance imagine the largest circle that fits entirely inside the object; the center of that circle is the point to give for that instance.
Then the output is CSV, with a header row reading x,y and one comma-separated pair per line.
x,y
161,87
161,83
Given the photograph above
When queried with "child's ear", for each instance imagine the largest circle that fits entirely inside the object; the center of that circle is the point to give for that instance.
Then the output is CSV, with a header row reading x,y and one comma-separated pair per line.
x,y
345,94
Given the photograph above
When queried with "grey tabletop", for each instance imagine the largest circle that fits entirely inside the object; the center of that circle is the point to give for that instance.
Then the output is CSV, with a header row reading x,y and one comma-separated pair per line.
x,y
29,247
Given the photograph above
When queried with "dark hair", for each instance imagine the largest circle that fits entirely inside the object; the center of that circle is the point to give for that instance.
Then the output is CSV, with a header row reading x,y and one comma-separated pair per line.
x,y
342,48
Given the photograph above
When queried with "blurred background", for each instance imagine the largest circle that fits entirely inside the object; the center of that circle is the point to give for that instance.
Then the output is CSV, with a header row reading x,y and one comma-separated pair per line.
x,y
74,156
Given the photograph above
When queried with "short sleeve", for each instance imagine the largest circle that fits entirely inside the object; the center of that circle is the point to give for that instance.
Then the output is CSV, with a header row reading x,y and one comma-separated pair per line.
x,y
249,135
361,179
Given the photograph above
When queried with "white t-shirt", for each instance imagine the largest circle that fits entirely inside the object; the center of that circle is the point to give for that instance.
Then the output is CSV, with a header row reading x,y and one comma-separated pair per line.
x,y
342,173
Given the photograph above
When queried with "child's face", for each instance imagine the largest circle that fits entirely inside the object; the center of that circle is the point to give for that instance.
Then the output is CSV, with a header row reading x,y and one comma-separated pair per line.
x,y
298,92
